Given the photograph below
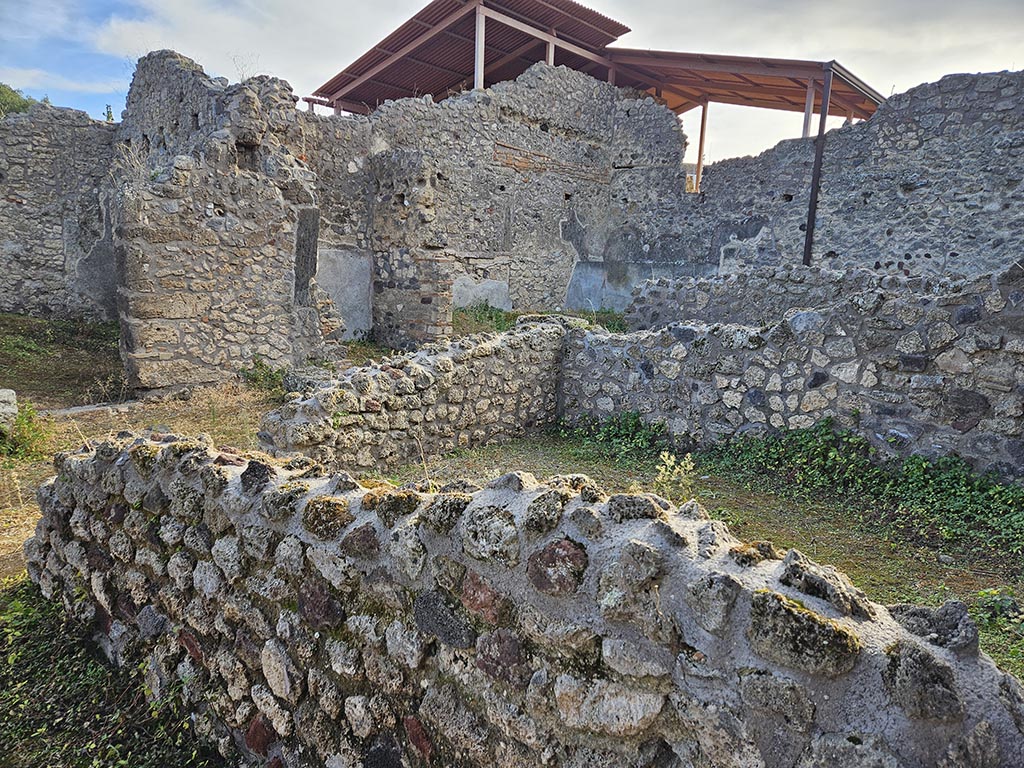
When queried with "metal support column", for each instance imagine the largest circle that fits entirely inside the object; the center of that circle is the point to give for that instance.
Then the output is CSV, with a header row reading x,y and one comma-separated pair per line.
x,y
819,154
700,145
478,68
808,109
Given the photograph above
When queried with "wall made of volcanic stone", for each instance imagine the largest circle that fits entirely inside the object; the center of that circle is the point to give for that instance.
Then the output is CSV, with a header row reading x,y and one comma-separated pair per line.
x,y
760,296
305,620
55,239
481,389
927,374
217,229
517,184
932,183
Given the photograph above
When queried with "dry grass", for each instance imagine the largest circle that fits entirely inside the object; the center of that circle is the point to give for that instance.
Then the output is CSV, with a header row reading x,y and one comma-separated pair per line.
x,y
60,363
230,414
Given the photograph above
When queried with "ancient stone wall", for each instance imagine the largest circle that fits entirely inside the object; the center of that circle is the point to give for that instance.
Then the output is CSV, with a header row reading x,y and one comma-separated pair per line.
x,y
482,389
932,183
928,374
217,229
760,296
55,239
308,621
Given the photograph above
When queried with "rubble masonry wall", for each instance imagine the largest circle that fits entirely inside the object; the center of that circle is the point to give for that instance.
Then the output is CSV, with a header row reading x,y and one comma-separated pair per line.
x,y
308,621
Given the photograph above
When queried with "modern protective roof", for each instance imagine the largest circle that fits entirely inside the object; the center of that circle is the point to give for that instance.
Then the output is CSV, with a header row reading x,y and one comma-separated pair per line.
x,y
434,53
438,45
687,80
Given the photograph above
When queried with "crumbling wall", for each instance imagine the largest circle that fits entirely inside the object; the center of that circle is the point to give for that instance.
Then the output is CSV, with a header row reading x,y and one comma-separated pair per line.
x,y
217,229
525,195
760,296
932,183
55,239
308,621
481,389
926,374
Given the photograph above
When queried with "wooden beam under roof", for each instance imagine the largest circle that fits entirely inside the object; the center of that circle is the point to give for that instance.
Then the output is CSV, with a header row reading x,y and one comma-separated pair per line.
x,y
438,28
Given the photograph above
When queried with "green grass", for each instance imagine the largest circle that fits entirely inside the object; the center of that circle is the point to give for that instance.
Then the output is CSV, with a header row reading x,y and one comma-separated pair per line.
x,y
359,353
60,363
481,318
942,503
63,707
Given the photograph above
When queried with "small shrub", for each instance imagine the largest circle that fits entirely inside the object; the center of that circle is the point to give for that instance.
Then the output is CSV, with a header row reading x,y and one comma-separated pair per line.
x,y
675,480
12,100
27,437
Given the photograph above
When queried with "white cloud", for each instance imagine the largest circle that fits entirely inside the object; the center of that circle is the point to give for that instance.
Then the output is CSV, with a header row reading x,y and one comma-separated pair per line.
x,y
305,43
38,79
35,20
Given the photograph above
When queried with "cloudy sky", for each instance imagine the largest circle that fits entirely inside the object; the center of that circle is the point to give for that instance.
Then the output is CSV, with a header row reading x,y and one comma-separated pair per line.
x,y
81,53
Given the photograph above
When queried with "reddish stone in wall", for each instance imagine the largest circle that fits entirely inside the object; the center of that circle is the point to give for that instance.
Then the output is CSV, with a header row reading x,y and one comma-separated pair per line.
x,y
558,568
418,736
260,735
481,600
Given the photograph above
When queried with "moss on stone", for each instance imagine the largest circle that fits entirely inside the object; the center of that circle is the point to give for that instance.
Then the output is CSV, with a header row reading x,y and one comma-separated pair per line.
x,y
754,552
281,502
445,509
783,631
326,516
144,458
391,504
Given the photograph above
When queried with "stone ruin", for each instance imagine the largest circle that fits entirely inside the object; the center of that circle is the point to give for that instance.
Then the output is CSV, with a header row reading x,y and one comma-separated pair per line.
x,y
309,621
219,224
916,365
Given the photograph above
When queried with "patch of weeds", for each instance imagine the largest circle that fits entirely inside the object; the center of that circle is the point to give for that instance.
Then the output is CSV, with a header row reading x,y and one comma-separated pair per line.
x,y
1001,625
625,438
65,708
60,363
20,347
264,377
481,318
609,319
935,502
28,436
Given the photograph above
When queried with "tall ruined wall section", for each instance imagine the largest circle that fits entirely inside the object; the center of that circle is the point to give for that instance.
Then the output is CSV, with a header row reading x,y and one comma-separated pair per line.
x,y
543,191
55,239
932,183
482,389
217,229
309,622
915,374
